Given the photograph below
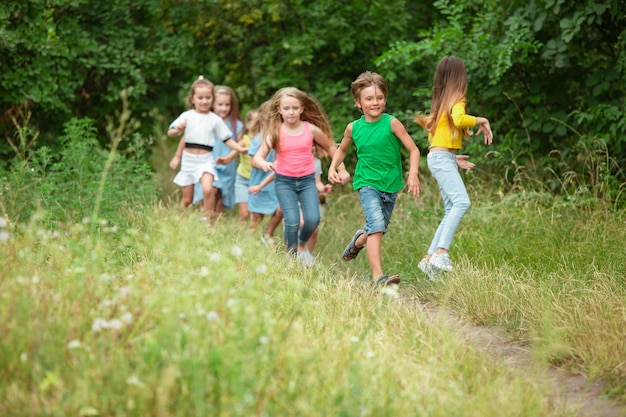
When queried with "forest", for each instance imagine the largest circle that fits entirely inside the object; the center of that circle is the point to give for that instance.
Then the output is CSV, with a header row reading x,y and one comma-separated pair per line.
x,y
550,75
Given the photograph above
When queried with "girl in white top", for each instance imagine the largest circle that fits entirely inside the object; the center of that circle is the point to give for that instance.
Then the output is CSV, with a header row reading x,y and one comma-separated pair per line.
x,y
201,127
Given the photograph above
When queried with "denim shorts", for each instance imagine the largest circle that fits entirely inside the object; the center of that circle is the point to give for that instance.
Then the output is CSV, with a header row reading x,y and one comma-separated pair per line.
x,y
378,207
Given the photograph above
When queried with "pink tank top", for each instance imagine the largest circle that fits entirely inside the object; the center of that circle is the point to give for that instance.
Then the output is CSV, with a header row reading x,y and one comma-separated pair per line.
x,y
295,158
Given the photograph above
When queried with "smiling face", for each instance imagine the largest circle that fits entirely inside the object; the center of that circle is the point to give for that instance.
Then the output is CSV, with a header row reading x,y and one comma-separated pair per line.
x,y
202,99
290,109
372,102
222,105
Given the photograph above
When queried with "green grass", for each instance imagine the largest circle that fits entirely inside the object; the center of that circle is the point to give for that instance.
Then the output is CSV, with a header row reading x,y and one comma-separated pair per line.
x,y
173,318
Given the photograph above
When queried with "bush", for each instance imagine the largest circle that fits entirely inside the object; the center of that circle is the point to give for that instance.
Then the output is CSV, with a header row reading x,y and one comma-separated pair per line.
x,y
82,181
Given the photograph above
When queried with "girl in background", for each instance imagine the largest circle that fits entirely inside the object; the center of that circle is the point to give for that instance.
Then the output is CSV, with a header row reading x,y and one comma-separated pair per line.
x,y
242,181
262,198
227,107
203,130
447,125
290,124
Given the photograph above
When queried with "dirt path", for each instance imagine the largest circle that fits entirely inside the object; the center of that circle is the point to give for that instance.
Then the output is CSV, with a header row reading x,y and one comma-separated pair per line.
x,y
573,391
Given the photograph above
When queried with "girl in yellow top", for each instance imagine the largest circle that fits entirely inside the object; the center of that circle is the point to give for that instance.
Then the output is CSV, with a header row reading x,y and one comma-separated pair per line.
x,y
251,128
447,125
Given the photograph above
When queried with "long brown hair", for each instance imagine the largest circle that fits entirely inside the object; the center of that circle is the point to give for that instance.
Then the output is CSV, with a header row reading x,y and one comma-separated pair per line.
x,y
271,120
449,87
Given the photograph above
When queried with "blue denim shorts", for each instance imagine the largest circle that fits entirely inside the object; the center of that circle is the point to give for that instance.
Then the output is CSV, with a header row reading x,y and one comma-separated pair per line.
x,y
378,207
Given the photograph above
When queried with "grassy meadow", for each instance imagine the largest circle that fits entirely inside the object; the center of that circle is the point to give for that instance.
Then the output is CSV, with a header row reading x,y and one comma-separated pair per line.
x,y
173,317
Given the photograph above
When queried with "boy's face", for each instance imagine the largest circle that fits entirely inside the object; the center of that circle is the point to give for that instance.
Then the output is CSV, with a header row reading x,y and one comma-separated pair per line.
x,y
372,102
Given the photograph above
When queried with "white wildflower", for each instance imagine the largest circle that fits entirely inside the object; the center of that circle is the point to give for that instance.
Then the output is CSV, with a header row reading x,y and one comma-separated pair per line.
x,y
133,380
236,251
74,344
212,316
4,236
354,339
214,257
264,340
204,271
3,222
114,324
23,357
391,291
127,318
370,354
35,280
261,269
98,324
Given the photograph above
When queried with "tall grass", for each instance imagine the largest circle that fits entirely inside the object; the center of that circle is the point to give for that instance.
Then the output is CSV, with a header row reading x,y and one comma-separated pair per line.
x,y
170,317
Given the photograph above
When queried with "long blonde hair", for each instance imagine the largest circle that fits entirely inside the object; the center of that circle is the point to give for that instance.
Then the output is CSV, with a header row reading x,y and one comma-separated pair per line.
x,y
271,120
449,87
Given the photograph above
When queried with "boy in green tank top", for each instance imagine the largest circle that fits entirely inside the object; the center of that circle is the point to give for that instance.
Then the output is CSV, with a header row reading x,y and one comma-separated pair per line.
x,y
378,138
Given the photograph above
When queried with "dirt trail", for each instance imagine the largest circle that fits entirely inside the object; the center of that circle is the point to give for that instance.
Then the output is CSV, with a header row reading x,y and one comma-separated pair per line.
x,y
580,397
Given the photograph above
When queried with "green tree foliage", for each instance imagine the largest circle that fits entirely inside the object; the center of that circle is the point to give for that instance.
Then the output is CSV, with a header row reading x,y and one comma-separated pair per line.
x,y
550,74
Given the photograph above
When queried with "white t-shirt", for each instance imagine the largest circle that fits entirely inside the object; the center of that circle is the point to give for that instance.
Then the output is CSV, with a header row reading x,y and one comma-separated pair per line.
x,y
202,128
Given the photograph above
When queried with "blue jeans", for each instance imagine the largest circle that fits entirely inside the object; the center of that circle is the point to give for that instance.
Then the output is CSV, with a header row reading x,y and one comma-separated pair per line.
x,y
295,194
456,202
378,208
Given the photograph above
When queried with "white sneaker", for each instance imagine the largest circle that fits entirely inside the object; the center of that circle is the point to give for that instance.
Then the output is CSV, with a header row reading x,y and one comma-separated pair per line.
x,y
428,269
441,261
306,258
268,241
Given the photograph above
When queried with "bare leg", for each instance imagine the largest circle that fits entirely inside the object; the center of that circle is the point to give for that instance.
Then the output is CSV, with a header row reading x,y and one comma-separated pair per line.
x,y
244,214
209,195
187,198
374,253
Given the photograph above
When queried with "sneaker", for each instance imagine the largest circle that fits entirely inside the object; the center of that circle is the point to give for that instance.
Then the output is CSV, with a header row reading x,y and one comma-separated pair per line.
x,y
268,241
441,261
428,269
306,258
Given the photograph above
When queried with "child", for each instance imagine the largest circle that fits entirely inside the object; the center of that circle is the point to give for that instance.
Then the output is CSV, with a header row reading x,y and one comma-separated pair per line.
x,y
202,127
378,138
243,168
262,198
227,107
446,125
290,124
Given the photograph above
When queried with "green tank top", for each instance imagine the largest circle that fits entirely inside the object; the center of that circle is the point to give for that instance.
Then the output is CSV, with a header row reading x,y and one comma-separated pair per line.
x,y
379,163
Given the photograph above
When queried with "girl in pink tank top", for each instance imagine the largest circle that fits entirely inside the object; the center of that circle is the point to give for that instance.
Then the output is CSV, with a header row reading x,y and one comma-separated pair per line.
x,y
291,122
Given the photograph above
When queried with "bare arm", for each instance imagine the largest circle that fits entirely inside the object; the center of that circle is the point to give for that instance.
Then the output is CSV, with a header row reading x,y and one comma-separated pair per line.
x,y
399,130
338,156
175,162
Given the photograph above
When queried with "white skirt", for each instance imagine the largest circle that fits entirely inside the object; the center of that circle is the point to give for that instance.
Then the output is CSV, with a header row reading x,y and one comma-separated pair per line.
x,y
193,166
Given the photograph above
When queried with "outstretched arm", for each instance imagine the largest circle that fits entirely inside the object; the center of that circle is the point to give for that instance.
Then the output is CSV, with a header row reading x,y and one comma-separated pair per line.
x,y
339,155
413,181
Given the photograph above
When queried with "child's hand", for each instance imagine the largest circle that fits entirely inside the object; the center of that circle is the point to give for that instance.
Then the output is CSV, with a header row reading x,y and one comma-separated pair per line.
x,y
174,162
268,166
463,163
414,185
255,189
328,188
221,160
179,129
344,177
485,129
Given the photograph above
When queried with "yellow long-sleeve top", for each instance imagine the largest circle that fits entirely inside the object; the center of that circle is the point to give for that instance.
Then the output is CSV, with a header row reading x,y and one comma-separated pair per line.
x,y
452,137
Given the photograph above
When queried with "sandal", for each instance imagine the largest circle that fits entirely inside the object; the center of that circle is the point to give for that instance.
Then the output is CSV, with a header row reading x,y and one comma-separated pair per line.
x,y
351,251
385,280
